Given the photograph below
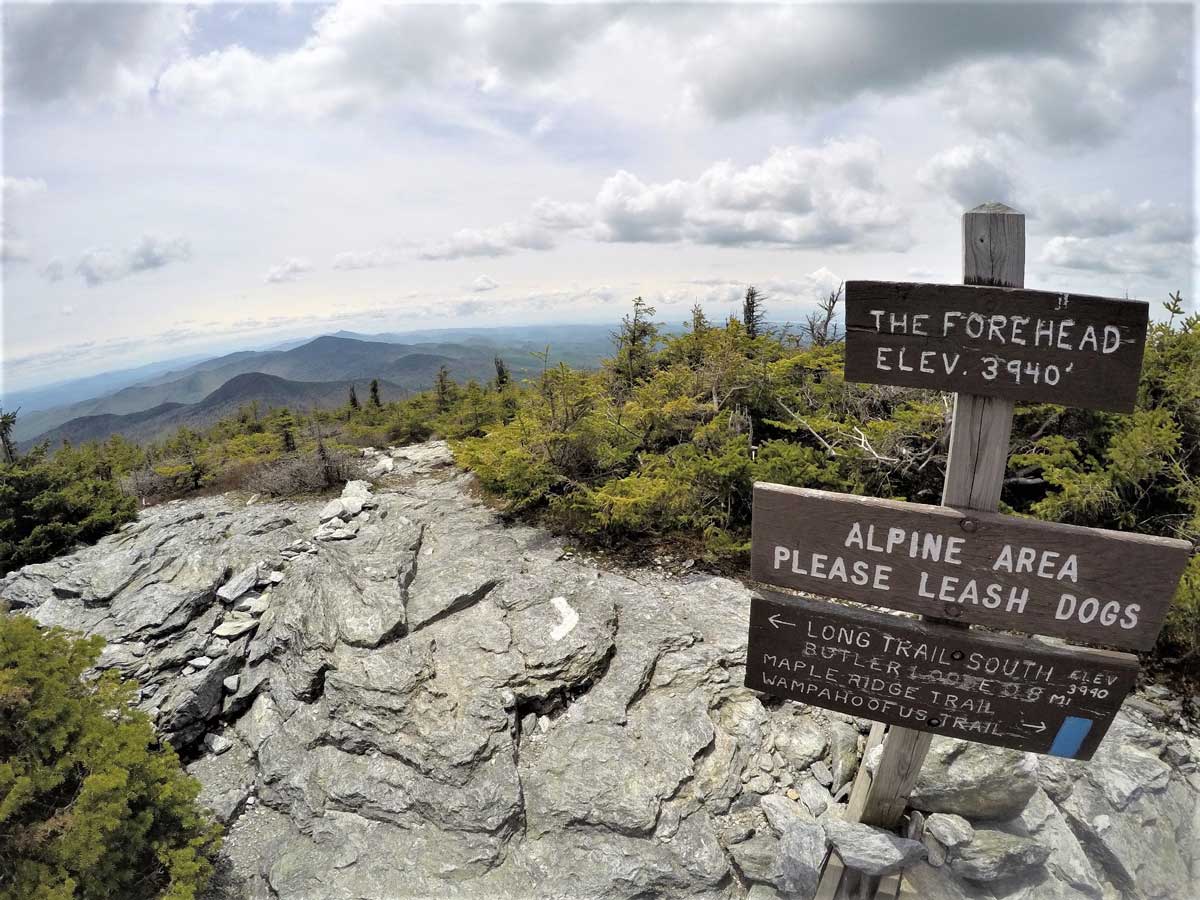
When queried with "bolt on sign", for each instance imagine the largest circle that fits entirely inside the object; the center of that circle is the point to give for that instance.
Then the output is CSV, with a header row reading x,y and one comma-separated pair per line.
x,y
1034,346
1013,573
993,689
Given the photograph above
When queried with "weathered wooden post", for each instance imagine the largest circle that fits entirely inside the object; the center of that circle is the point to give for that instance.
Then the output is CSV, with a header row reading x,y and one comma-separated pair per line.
x,y
992,343
993,246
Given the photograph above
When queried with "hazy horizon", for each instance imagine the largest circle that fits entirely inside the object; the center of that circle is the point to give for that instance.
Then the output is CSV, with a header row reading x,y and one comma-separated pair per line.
x,y
165,358
234,175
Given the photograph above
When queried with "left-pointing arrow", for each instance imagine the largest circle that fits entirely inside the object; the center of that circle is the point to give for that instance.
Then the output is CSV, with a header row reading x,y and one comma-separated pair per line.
x,y
776,621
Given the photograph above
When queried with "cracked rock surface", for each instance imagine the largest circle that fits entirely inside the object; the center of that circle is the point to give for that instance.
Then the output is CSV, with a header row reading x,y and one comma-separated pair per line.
x,y
393,694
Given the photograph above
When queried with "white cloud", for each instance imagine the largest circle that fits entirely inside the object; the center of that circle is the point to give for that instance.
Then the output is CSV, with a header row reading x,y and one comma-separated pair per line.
x,y
776,292
362,54
498,241
560,216
970,174
559,299
830,196
21,188
627,209
483,283
54,270
368,259
97,267
291,269
13,249
798,196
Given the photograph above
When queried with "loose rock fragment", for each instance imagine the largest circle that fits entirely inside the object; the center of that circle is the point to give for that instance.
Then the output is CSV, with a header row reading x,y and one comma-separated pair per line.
x,y
243,581
871,850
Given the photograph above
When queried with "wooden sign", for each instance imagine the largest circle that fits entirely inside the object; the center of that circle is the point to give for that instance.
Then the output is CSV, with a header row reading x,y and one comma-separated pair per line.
x,y
1035,346
1011,692
1008,572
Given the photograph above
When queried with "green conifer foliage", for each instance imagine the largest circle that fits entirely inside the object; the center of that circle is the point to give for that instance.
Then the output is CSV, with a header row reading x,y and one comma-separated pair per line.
x,y
91,806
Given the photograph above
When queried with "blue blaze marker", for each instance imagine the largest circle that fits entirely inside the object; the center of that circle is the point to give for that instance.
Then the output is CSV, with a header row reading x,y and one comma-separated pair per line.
x,y
1070,736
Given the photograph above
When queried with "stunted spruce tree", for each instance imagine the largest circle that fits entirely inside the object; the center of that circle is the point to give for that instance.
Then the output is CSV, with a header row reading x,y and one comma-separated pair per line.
x,y
754,315
636,342
502,375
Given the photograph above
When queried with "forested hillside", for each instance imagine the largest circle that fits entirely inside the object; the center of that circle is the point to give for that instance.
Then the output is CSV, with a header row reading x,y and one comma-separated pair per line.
x,y
660,447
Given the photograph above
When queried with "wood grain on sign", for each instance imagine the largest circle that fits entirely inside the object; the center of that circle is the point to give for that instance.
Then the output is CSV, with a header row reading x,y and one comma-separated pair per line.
x,y
1034,346
994,689
1108,587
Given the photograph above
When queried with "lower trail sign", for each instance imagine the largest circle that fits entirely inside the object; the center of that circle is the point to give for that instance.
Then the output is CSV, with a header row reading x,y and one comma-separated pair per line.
x,y
994,689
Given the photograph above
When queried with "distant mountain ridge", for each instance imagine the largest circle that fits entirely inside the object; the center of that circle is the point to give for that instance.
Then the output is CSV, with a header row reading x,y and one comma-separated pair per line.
x,y
325,366
250,387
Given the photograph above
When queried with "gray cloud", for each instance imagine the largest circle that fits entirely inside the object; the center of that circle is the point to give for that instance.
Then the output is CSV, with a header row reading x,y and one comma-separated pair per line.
x,y
291,269
1055,73
464,308
1103,214
88,50
97,267
531,40
1050,73
1100,233
808,55
1112,256
483,283
970,175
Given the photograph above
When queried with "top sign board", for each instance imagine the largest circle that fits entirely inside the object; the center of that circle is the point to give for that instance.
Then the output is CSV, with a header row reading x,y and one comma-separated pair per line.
x,y
1006,572
1033,346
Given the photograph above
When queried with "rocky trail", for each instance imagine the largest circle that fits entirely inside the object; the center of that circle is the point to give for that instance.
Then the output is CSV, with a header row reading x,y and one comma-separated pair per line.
x,y
393,694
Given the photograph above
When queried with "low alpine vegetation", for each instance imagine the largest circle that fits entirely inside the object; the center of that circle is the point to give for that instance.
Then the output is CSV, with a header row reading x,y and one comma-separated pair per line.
x,y
92,806
662,445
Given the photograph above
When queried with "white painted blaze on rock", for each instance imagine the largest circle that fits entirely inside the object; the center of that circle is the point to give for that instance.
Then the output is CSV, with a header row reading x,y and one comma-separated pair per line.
x,y
569,616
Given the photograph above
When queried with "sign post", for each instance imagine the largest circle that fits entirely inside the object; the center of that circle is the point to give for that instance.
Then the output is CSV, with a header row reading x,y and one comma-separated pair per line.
x,y
961,563
993,244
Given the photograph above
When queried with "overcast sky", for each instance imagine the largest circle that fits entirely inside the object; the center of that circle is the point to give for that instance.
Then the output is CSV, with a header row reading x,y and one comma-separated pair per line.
x,y
181,178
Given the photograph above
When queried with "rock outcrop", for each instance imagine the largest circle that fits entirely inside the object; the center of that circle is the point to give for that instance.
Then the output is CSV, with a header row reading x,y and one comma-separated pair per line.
x,y
392,694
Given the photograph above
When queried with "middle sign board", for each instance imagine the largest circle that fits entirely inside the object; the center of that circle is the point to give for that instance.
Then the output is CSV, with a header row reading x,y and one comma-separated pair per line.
x,y
1007,572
